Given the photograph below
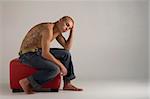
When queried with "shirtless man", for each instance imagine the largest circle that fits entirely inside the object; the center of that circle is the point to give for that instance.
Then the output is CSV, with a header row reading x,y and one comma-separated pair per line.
x,y
36,52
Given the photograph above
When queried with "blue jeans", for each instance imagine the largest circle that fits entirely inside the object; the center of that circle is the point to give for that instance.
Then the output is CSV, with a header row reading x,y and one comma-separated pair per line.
x,y
47,70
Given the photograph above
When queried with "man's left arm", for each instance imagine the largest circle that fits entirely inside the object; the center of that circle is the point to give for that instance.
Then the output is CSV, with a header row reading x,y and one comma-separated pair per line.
x,y
66,43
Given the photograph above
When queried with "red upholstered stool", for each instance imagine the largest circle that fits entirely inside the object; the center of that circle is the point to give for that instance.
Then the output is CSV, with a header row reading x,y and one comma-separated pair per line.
x,y
19,71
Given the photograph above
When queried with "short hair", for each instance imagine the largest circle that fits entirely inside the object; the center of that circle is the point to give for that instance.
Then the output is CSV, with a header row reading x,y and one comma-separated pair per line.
x,y
65,17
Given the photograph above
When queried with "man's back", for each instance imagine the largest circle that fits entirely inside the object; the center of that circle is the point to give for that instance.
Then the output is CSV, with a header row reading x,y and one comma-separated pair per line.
x,y
33,37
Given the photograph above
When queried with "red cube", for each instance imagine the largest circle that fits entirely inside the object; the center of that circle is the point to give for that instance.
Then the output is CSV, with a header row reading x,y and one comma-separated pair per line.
x,y
19,71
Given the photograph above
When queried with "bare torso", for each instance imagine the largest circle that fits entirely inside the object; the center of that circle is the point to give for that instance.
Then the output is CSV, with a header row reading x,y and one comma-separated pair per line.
x,y
34,36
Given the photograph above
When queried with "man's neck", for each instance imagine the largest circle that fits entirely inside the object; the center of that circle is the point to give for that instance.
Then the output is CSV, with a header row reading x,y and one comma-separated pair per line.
x,y
55,29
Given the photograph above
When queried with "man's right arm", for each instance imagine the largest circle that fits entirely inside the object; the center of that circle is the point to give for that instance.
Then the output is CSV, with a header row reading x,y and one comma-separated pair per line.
x,y
47,36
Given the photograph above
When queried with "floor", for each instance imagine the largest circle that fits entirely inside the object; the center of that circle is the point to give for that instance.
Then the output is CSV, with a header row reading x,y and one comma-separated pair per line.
x,y
92,90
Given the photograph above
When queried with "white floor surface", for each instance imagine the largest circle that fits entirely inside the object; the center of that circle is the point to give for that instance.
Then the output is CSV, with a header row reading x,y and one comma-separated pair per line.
x,y
92,90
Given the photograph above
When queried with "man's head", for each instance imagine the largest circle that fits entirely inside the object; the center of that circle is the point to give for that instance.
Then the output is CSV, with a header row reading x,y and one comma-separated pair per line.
x,y
65,23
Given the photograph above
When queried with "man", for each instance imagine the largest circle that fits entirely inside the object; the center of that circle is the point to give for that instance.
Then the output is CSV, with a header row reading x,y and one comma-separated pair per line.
x,y
36,52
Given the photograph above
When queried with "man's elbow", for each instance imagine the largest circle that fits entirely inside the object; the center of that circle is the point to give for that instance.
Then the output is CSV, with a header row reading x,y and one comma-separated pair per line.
x,y
67,48
44,56
47,56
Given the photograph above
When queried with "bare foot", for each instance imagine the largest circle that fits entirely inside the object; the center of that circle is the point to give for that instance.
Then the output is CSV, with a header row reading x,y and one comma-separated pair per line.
x,y
24,83
71,87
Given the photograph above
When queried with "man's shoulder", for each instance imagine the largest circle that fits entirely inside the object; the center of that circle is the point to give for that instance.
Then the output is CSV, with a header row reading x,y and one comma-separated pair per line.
x,y
43,26
47,29
47,25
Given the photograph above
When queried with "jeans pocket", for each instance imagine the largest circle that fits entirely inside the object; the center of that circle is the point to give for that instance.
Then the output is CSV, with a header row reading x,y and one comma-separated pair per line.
x,y
27,58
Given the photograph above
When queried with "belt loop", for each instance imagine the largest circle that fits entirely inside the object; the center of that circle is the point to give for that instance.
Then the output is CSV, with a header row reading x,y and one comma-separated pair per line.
x,y
38,52
20,53
36,49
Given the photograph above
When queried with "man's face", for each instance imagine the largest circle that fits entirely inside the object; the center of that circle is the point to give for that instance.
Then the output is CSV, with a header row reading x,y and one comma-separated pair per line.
x,y
65,25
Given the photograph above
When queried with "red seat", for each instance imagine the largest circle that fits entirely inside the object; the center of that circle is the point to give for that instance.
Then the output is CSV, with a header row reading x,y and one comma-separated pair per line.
x,y
19,71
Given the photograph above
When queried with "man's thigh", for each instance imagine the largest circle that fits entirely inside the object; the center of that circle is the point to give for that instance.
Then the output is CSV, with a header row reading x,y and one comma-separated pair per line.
x,y
37,61
59,52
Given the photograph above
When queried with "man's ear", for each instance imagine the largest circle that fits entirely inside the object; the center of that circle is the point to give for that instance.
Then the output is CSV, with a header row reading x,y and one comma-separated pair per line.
x,y
60,20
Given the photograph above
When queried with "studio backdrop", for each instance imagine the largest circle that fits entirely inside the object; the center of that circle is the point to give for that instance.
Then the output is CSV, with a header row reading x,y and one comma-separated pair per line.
x,y
110,38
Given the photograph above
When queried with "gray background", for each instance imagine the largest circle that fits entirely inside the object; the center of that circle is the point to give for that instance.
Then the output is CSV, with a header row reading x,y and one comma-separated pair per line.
x,y
110,40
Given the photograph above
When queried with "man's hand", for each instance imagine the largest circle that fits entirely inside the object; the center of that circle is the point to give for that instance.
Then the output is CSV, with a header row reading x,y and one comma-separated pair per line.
x,y
63,71
71,30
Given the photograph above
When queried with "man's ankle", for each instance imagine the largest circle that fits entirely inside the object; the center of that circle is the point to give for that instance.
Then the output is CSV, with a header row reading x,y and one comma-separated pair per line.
x,y
66,83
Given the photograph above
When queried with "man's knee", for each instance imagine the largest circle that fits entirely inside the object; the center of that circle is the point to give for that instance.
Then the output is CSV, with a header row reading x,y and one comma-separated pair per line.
x,y
67,53
53,70
56,70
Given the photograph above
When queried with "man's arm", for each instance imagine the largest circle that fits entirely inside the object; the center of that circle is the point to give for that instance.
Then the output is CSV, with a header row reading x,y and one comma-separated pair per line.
x,y
66,43
45,42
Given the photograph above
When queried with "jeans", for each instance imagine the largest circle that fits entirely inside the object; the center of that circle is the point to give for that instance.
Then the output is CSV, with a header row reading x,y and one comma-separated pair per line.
x,y
47,70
